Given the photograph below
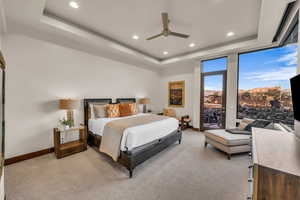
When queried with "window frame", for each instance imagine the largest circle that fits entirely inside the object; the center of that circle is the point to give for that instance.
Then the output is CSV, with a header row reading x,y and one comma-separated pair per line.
x,y
202,74
238,70
213,58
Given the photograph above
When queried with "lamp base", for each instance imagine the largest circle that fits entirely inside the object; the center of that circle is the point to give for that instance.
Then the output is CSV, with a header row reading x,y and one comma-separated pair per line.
x,y
144,108
70,116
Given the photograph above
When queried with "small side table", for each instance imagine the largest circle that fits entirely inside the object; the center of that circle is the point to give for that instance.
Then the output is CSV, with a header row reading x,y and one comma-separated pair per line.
x,y
185,122
69,148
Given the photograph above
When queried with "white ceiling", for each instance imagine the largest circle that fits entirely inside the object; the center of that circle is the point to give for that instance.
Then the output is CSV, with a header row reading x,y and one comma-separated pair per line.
x,y
207,21
105,27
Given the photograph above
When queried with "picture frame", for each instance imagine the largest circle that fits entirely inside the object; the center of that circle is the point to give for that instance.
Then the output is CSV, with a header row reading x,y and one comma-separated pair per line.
x,y
176,94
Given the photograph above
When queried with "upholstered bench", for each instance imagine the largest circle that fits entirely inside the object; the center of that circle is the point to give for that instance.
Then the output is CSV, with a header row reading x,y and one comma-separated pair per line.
x,y
227,142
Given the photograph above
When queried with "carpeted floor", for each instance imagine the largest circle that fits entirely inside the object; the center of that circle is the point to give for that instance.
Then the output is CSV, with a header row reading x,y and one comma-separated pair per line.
x,y
185,172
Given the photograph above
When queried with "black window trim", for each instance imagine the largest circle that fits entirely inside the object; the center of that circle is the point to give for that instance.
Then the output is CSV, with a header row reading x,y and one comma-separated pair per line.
x,y
283,21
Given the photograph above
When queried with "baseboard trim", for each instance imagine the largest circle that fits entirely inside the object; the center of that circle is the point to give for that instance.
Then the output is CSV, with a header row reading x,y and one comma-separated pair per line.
x,y
195,129
27,156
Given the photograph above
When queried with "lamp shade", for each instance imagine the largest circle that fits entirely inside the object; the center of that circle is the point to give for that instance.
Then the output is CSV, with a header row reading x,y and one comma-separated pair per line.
x,y
144,101
68,104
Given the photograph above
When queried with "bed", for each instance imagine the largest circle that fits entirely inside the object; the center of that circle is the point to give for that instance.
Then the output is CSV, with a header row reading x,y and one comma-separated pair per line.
x,y
134,148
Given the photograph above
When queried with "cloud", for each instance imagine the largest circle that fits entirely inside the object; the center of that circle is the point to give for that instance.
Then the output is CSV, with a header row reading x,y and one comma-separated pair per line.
x,y
291,48
282,74
289,59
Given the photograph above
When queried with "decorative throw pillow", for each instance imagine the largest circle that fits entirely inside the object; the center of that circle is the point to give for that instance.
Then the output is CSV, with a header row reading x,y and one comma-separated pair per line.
x,y
113,110
127,109
99,111
133,108
259,123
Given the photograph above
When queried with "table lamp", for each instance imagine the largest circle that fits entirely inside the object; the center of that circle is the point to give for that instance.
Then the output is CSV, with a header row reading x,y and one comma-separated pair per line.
x,y
144,102
70,105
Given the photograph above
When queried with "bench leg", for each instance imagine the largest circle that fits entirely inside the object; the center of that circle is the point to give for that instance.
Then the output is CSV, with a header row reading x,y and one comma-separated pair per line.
x,y
205,144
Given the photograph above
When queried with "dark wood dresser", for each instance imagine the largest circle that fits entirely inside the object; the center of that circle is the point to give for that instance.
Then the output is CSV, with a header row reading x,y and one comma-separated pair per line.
x,y
274,171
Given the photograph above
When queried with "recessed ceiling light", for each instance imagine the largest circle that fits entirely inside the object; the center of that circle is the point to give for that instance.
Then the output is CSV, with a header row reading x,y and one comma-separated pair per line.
x,y
74,4
135,37
165,52
229,34
192,45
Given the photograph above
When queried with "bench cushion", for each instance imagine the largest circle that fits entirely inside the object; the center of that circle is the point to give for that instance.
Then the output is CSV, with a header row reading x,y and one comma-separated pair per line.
x,y
229,149
226,138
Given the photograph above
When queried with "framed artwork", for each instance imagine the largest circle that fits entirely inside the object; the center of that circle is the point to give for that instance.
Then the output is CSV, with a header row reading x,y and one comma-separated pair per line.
x,y
176,94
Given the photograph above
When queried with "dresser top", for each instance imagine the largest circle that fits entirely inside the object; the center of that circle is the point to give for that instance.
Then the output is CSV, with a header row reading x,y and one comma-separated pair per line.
x,y
276,150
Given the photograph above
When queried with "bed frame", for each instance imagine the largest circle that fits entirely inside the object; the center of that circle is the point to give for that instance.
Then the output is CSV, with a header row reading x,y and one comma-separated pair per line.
x,y
131,159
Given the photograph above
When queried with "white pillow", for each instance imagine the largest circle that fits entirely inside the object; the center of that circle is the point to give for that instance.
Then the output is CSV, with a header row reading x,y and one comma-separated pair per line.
x,y
99,111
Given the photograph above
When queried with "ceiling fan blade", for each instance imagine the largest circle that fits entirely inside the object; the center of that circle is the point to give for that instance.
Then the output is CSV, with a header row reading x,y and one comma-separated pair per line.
x,y
179,34
165,20
155,36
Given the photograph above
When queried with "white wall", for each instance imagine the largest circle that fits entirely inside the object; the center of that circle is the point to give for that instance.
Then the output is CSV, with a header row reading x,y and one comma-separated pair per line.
x,y
2,31
181,73
2,193
188,78
39,73
232,90
197,95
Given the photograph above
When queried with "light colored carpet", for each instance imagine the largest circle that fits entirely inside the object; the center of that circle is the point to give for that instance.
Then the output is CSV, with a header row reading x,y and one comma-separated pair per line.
x,y
185,172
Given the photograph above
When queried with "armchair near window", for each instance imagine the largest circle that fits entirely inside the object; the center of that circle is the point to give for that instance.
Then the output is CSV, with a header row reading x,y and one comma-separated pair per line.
x,y
184,121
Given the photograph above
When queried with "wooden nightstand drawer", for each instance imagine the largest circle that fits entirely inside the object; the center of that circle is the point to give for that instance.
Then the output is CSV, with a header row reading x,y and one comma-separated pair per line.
x,y
62,150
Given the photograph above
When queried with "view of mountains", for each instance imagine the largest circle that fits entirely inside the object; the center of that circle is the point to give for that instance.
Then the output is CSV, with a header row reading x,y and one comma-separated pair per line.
x,y
256,97
269,103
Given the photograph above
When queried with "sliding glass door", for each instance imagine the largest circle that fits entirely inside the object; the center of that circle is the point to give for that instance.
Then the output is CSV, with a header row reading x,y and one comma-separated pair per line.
x,y
213,94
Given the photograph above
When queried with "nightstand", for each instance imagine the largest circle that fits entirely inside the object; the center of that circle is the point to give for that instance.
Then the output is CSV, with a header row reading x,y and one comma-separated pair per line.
x,y
69,148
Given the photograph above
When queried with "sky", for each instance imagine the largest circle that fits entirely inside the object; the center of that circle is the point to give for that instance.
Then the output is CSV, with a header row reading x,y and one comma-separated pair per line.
x,y
265,68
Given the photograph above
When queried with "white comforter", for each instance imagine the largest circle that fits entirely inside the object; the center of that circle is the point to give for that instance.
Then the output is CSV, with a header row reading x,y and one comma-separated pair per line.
x,y
138,135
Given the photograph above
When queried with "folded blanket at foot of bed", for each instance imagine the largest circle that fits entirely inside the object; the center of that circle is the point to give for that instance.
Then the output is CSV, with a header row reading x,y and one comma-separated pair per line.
x,y
113,132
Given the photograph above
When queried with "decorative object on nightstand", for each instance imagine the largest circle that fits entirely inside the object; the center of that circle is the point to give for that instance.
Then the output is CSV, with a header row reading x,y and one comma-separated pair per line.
x,y
144,102
65,149
70,105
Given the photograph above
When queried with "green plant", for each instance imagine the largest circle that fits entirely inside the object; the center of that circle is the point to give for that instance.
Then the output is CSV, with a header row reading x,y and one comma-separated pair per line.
x,y
66,122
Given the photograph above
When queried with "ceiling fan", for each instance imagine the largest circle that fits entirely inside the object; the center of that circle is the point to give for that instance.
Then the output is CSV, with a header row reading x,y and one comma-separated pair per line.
x,y
166,31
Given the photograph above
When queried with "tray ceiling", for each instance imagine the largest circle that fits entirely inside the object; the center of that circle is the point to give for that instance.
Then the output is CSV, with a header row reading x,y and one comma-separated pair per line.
x,y
207,22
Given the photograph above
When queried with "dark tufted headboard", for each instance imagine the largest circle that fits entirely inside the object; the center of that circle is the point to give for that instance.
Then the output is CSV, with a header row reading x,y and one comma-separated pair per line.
x,y
126,100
